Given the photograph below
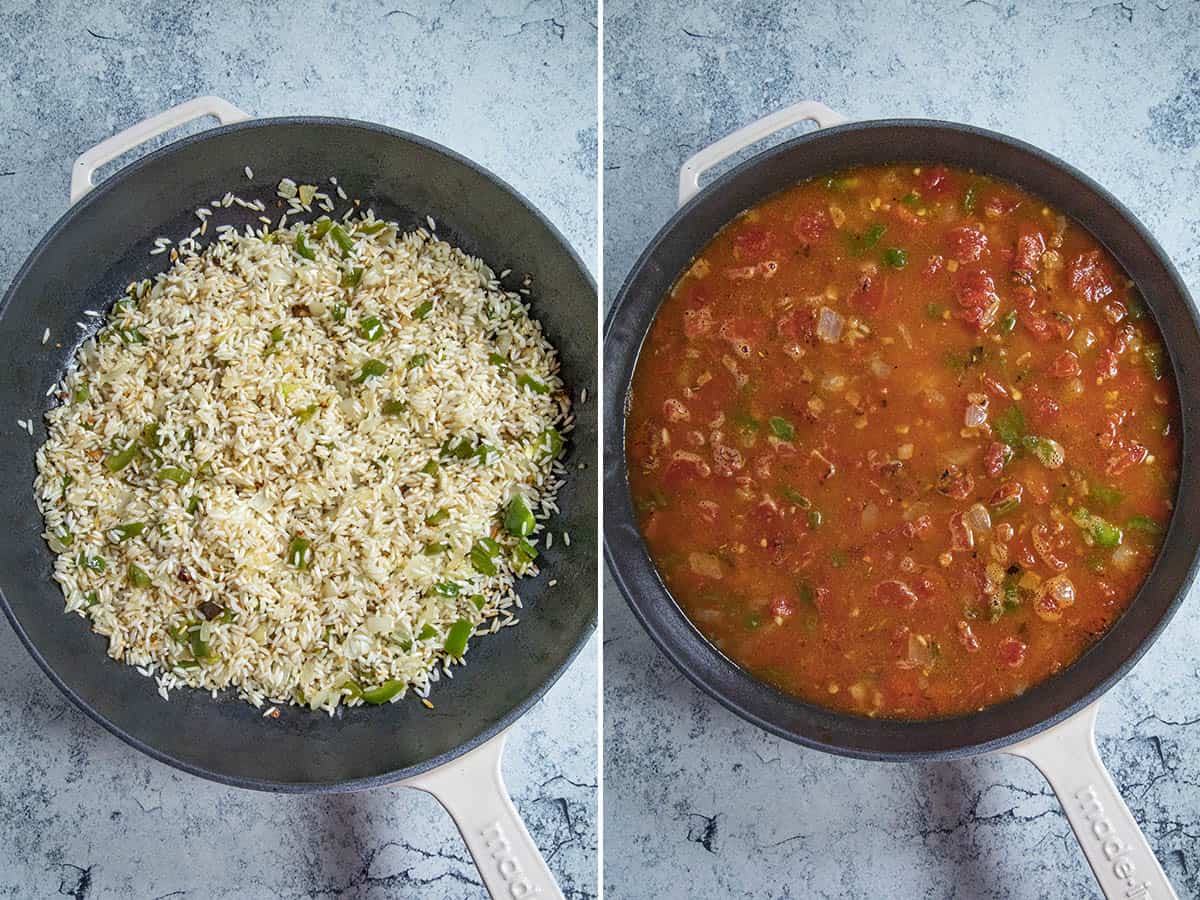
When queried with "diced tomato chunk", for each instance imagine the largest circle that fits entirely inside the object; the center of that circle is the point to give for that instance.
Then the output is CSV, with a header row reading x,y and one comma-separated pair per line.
x,y
994,456
783,606
1044,410
685,467
1065,365
1024,554
895,593
753,243
1088,277
936,181
869,292
1007,493
1107,364
925,586
1031,247
675,411
1000,204
908,217
1048,328
765,511
1131,454
799,324
810,226
1012,652
961,538
976,294
1122,338
955,482
697,322
994,387
966,243
918,528
744,334
727,460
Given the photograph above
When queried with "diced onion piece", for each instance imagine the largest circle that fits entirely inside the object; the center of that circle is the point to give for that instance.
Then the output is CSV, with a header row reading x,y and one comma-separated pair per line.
x,y
1040,536
1062,589
920,654
1124,557
830,325
975,416
705,565
879,368
833,383
961,456
979,520
1055,595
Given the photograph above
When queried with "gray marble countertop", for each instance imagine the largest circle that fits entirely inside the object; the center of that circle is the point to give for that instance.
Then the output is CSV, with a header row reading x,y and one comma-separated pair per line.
x,y
700,803
82,814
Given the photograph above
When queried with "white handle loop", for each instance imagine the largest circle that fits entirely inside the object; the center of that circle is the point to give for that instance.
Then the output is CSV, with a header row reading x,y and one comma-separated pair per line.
x,y
472,790
699,163
106,151
1116,849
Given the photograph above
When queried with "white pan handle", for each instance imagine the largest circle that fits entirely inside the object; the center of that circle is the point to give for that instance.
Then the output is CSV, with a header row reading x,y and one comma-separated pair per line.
x,y
1116,849
701,162
473,792
106,151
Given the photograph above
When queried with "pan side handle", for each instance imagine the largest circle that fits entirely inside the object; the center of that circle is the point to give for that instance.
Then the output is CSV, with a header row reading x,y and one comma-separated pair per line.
x,y
1119,854
122,142
701,162
472,790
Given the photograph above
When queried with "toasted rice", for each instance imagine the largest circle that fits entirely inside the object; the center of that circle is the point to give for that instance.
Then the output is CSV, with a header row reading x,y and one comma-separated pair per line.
x,y
195,351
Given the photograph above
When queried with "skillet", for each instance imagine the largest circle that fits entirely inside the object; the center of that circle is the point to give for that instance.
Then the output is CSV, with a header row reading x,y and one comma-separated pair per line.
x,y
100,245
1052,724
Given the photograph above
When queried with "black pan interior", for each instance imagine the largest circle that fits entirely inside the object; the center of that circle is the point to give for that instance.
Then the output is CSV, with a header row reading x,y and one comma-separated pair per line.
x,y
101,245
671,252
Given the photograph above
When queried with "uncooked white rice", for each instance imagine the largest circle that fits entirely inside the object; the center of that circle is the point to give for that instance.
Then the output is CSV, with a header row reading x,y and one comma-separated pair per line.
x,y
237,388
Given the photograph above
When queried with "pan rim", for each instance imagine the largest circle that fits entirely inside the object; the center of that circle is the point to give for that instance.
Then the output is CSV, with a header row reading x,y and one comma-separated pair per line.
x,y
628,560
113,183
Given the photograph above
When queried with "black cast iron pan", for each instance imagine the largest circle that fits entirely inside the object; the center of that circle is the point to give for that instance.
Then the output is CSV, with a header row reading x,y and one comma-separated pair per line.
x,y
101,244
829,149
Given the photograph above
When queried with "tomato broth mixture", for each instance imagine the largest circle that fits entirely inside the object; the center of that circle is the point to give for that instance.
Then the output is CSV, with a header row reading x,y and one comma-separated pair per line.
x,y
903,441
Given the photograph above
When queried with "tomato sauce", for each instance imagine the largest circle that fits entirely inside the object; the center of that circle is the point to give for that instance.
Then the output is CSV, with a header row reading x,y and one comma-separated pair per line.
x,y
903,441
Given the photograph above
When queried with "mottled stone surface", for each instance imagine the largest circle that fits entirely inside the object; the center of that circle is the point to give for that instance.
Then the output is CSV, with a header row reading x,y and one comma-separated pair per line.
x,y
82,814
698,803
